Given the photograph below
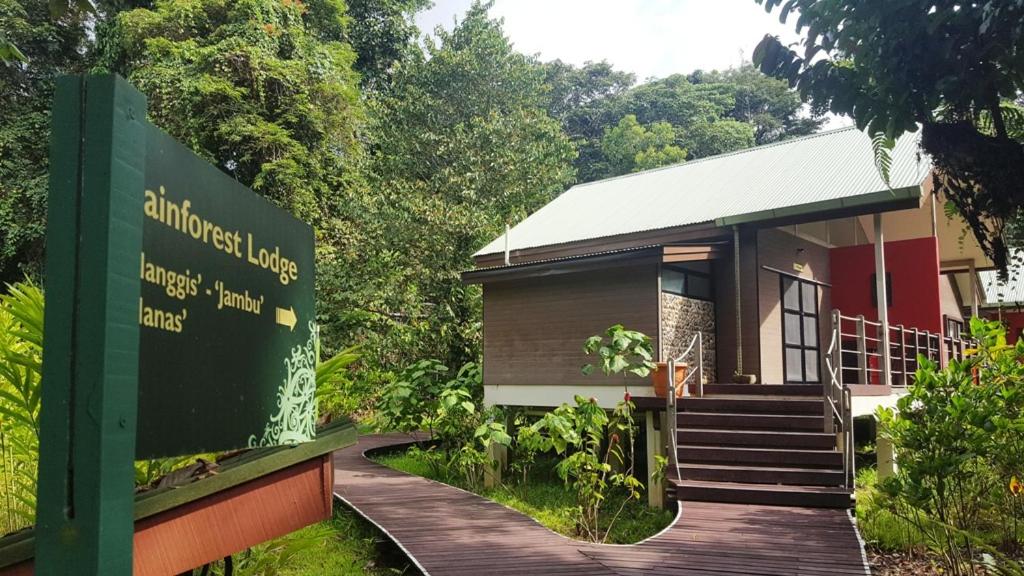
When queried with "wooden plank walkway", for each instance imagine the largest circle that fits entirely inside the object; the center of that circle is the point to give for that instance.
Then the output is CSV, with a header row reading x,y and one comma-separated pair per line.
x,y
450,532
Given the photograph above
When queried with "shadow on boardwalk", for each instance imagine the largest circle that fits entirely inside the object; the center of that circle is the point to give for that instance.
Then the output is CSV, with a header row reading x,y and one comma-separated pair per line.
x,y
447,531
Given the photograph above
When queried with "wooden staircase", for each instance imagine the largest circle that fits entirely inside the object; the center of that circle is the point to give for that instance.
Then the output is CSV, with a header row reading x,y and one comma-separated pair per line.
x,y
758,444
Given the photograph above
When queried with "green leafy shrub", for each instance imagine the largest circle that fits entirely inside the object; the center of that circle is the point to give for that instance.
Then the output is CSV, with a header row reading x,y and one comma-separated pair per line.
x,y
597,456
596,447
425,398
622,352
959,437
21,350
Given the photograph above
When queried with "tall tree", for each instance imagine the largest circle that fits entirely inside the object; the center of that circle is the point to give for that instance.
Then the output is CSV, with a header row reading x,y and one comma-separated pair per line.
x,y
462,145
264,89
580,99
631,147
767,103
383,34
950,66
48,47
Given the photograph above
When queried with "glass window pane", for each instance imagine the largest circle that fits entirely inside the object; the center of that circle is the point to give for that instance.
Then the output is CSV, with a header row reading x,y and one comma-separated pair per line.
x,y
703,266
790,294
811,365
672,281
794,365
698,286
792,328
810,331
809,294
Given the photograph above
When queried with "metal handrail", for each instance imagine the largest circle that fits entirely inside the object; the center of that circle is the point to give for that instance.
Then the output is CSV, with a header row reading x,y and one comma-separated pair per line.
x,y
672,389
843,412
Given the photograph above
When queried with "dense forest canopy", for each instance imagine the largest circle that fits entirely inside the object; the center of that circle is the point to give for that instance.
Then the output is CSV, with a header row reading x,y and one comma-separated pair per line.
x,y
407,152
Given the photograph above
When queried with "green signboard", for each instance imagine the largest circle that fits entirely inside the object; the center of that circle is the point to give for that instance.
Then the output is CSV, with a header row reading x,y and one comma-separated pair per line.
x,y
226,352
179,320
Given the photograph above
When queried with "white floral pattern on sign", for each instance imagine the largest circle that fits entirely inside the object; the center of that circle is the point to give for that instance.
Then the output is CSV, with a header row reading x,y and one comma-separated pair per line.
x,y
295,420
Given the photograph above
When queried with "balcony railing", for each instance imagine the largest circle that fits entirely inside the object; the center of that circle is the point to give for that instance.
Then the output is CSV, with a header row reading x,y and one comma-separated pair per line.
x,y
860,350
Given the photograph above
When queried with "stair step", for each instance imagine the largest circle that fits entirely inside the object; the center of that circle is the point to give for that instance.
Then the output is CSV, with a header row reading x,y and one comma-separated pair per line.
x,y
811,496
761,474
753,405
780,457
813,390
738,421
756,438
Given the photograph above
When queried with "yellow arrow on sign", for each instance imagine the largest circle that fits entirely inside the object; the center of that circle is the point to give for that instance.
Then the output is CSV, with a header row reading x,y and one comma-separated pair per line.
x,y
287,317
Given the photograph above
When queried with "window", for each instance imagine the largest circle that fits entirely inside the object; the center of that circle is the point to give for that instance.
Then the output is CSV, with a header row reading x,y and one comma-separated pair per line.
x,y
954,328
800,347
690,279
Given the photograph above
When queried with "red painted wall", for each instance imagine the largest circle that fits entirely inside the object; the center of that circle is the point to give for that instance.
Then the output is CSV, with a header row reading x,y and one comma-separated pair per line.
x,y
914,269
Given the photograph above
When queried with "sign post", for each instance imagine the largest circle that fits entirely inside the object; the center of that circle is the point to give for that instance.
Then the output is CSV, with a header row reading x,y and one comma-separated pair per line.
x,y
179,320
90,367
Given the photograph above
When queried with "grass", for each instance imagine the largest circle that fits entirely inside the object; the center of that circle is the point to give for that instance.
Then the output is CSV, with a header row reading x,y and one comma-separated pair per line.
x,y
880,528
547,499
345,545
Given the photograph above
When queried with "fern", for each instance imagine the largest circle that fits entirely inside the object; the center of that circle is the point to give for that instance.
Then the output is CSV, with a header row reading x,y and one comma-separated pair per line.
x,y
881,146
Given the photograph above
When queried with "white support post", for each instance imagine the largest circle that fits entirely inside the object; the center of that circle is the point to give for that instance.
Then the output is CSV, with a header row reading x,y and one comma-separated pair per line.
x,y
883,302
886,457
974,289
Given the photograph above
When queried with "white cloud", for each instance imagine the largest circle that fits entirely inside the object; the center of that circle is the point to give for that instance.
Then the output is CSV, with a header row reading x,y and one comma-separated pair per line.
x,y
646,37
650,38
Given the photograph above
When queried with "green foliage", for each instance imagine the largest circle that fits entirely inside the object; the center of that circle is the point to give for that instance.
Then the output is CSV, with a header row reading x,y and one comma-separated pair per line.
x,y
709,112
959,433
947,66
264,89
383,34
631,147
460,145
334,388
424,397
345,545
21,347
766,103
621,351
50,47
596,452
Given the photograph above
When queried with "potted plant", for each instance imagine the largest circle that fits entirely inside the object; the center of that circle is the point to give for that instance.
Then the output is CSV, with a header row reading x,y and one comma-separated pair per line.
x,y
659,377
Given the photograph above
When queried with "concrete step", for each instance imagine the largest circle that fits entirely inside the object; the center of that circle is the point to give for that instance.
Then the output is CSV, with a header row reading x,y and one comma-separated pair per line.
x,y
749,474
753,405
774,495
775,457
739,421
756,438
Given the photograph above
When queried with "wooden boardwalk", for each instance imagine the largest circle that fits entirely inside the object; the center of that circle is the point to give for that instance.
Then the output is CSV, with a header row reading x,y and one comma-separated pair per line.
x,y
447,531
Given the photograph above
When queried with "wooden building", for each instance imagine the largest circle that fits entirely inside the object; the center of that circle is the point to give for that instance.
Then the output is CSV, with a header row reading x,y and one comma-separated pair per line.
x,y
778,256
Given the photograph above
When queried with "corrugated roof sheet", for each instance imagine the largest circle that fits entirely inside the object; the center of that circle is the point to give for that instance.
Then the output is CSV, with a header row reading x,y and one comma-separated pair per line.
x,y
1009,293
832,165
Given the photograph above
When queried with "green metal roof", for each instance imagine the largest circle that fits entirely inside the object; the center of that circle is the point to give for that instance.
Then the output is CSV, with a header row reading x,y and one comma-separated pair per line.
x,y
802,177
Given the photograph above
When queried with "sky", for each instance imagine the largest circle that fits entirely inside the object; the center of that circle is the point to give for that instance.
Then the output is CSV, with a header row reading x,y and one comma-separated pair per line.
x,y
651,38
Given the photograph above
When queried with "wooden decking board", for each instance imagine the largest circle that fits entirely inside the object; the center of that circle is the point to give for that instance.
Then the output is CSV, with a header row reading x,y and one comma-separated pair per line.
x,y
450,532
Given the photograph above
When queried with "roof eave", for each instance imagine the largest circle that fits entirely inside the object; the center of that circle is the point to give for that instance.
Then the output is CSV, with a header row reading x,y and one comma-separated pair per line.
x,y
882,201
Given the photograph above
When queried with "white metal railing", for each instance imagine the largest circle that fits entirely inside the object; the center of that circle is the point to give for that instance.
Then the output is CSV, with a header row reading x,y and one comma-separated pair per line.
x,y
854,356
672,389
859,346
838,402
